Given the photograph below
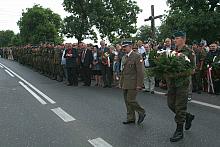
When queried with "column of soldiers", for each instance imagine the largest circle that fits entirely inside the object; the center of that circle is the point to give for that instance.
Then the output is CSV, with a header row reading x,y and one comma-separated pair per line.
x,y
45,59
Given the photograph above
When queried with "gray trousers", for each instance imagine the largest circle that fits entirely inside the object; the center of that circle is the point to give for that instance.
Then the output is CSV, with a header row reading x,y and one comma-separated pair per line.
x,y
149,83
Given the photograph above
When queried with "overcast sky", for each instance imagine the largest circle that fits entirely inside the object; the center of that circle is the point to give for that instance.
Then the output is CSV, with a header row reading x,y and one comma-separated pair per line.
x,y
10,10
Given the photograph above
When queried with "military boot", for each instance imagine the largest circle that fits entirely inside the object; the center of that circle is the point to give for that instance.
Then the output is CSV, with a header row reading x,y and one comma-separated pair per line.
x,y
189,119
178,134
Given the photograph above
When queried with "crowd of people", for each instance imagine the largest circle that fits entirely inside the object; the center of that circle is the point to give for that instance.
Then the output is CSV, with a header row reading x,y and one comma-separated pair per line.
x,y
129,67
79,61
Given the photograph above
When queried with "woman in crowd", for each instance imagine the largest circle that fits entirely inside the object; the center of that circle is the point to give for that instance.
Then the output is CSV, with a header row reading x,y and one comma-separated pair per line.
x,y
97,66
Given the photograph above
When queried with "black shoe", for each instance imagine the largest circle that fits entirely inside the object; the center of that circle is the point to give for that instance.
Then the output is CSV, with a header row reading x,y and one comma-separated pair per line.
x,y
146,91
189,119
178,134
152,92
198,92
69,84
105,86
141,118
128,122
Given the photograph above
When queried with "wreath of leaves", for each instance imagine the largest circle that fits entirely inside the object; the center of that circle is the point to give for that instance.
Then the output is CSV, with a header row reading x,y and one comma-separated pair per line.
x,y
171,66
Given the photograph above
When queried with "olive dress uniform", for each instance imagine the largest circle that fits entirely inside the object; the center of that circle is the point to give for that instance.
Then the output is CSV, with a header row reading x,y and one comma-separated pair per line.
x,y
132,76
177,97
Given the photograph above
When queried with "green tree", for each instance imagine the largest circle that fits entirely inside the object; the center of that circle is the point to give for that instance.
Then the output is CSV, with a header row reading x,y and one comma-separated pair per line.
x,y
144,33
6,37
112,18
38,24
198,18
16,40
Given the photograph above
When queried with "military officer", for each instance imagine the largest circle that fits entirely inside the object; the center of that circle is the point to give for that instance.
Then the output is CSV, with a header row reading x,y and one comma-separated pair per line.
x,y
178,91
131,81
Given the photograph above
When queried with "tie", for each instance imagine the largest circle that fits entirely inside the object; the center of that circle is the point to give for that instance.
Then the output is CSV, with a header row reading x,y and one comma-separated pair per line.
x,y
83,55
126,57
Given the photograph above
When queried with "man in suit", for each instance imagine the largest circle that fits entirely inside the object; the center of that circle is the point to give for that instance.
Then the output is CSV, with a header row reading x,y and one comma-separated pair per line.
x,y
71,56
131,82
86,64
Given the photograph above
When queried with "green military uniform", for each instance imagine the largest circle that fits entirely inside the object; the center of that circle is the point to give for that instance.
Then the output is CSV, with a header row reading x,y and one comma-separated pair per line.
x,y
178,88
46,60
51,62
132,76
58,72
200,57
177,97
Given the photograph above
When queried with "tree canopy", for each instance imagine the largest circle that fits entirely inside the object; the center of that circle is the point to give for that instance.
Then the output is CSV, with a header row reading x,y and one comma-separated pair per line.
x,y
198,18
38,24
112,18
6,38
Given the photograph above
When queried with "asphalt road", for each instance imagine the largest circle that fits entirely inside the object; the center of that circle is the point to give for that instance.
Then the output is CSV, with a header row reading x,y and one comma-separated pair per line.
x,y
39,112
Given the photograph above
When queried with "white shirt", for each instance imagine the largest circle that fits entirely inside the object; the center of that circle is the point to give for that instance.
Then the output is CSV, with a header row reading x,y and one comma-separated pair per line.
x,y
141,50
129,53
146,61
63,60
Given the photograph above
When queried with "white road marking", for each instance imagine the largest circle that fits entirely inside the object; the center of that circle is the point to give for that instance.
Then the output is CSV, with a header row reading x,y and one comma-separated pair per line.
x,y
161,93
63,115
99,142
9,73
196,102
1,66
205,104
33,93
29,84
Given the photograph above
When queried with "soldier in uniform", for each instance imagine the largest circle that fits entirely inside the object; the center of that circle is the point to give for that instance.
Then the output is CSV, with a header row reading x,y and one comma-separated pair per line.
x,y
46,60
200,57
131,81
51,61
58,72
178,87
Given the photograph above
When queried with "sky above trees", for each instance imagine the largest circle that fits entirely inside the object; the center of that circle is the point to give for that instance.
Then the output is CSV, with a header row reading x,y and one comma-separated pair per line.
x,y
11,11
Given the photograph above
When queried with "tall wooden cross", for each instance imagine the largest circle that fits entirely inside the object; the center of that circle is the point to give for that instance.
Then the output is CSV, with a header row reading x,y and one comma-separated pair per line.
x,y
152,19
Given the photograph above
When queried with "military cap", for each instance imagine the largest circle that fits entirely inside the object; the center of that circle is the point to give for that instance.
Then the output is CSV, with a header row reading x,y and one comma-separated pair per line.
x,y
126,43
201,44
195,42
179,34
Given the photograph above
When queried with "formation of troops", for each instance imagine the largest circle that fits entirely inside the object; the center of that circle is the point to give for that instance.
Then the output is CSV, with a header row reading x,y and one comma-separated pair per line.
x,y
125,65
45,59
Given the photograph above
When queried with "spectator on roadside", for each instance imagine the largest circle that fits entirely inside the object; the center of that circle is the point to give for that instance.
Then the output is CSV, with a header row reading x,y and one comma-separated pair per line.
x,y
116,69
140,46
71,56
86,65
149,80
97,66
